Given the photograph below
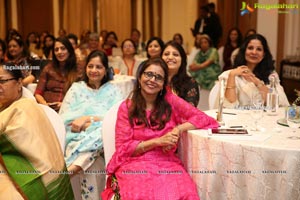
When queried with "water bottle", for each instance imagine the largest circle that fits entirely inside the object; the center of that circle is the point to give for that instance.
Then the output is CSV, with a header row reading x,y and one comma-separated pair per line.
x,y
272,98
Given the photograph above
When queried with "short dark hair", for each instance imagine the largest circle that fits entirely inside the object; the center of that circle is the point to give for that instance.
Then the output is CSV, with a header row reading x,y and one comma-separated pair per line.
x,y
104,60
160,42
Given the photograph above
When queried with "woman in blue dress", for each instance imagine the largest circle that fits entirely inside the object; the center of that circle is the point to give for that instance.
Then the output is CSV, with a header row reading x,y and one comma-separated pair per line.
x,y
82,110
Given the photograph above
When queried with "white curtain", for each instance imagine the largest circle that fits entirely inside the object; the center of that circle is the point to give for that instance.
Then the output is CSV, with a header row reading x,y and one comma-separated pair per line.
x,y
292,31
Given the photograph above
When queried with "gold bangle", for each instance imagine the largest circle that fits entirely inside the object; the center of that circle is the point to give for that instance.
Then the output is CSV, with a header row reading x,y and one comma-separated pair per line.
x,y
230,87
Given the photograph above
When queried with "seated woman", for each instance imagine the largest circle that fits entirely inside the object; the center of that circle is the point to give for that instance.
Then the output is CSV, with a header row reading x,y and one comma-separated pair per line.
x,y
179,82
233,41
18,54
82,111
57,76
177,37
30,153
154,47
127,65
48,46
148,128
110,42
253,67
205,69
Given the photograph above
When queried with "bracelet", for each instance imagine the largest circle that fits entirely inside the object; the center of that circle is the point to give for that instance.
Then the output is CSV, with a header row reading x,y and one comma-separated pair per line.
x,y
142,146
92,119
230,87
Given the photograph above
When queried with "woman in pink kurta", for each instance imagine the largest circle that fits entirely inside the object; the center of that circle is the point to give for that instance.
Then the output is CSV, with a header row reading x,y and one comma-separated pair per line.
x,y
145,164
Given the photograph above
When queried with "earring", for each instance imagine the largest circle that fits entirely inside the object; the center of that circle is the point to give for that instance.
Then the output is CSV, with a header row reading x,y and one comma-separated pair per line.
x,y
161,92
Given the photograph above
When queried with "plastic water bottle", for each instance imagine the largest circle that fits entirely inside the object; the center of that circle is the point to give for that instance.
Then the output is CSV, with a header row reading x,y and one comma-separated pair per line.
x,y
272,98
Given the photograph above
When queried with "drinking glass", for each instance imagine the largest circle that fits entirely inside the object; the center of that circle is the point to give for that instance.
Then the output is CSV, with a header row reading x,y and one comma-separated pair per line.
x,y
257,109
293,117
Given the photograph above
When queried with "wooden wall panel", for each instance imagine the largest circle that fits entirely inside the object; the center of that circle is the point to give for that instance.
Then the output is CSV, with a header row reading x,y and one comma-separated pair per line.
x,y
35,15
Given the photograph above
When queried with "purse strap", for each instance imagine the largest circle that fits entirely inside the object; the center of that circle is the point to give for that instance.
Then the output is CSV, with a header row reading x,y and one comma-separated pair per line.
x,y
15,184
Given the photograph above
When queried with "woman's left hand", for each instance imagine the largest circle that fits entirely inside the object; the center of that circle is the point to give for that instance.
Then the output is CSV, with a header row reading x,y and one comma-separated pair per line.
x,y
78,124
250,77
174,140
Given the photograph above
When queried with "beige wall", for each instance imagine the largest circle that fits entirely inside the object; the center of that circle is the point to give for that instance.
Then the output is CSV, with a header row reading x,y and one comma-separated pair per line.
x,y
178,17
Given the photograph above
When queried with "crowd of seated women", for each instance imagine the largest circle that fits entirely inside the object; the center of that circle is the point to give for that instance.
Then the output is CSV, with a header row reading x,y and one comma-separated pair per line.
x,y
76,83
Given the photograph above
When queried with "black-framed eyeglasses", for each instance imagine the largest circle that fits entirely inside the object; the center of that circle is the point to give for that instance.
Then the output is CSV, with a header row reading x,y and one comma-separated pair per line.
x,y
150,75
2,81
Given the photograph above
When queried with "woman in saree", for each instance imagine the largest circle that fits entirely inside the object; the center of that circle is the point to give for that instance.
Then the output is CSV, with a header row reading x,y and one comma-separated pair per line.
x,y
31,161
82,111
148,127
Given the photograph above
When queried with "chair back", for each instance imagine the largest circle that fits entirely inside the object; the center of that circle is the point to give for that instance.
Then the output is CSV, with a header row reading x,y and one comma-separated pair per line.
x,y
57,124
27,93
213,98
108,132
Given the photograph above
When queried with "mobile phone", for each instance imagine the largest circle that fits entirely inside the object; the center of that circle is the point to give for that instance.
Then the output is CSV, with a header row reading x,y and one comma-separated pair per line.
x,y
229,131
52,104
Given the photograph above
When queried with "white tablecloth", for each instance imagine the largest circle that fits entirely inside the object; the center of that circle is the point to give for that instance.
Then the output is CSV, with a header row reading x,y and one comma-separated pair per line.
x,y
264,165
124,83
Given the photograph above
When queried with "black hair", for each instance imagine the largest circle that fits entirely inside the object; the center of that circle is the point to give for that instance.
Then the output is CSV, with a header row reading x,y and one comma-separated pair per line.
x,y
104,60
262,69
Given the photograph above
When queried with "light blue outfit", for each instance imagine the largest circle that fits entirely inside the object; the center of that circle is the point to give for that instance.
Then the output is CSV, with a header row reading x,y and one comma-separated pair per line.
x,y
79,101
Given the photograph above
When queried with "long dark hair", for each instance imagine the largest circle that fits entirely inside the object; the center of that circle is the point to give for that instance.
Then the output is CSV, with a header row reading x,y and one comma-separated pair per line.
x,y
180,81
161,112
265,67
47,49
239,38
70,65
104,60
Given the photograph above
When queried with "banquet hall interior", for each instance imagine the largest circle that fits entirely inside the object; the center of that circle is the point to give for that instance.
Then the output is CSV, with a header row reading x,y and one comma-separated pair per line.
x,y
223,166
281,27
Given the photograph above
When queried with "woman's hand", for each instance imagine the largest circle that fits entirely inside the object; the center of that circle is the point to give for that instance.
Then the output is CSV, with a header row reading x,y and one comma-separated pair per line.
x,y
55,105
194,67
78,124
169,140
240,71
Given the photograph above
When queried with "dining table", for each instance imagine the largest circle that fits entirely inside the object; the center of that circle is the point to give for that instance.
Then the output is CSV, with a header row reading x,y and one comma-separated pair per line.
x,y
262,164
125,84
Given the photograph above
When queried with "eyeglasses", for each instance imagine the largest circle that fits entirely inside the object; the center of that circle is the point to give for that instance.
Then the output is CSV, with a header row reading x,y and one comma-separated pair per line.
x,y
2,81
150,75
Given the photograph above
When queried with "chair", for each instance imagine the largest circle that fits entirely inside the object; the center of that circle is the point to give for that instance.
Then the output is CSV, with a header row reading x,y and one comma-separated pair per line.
x,y
57,124
108,131
27,93
213,98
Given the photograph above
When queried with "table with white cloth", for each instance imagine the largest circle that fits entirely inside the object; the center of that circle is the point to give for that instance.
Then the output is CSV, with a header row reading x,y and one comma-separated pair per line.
x,y
124,83
261,165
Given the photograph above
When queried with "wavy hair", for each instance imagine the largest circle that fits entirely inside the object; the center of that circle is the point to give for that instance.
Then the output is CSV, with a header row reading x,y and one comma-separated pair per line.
x,y
161,112
262,69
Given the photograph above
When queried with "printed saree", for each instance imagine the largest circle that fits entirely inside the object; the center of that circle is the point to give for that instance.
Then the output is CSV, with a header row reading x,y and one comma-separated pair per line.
x,y
31,154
